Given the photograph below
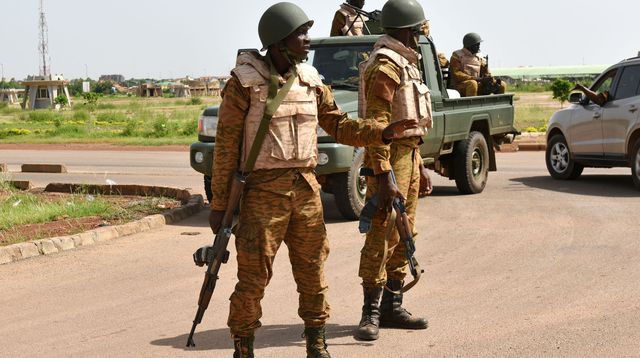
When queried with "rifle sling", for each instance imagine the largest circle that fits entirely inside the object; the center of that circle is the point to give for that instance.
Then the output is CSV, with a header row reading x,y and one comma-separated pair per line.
x,y
274,99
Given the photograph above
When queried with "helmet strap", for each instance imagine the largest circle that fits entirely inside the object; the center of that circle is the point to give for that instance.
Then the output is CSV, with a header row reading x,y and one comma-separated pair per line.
x,y
291,57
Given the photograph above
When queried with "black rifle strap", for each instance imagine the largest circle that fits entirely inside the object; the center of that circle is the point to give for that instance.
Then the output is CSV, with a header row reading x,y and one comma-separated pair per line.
x,y
274,99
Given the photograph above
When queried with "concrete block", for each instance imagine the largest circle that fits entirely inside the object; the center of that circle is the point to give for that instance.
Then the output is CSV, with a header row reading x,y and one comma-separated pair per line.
x,y
155,221
63,243
106,233
87,238
21,184
43,168
46,247
128,229
508,148
28,249
9,254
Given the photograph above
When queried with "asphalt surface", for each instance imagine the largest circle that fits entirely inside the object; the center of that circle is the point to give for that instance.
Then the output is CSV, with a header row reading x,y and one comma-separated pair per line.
x,y
532,267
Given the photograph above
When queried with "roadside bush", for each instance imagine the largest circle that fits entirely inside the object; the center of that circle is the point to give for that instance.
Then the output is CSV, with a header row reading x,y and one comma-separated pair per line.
x,y
543,129
11,132
195,101
561,90
81,115
131,129
111,117
70,131
160,127
531,130
62,100
41,116
189,128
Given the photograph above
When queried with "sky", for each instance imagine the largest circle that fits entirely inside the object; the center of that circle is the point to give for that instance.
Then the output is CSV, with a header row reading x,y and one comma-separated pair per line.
x,y
177,38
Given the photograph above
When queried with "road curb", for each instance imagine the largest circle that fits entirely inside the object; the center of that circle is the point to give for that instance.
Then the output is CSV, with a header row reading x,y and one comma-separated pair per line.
x,y
191,205
532,146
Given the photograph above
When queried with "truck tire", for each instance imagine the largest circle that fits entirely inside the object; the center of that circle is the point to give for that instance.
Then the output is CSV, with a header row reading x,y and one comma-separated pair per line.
x,y
350,188
207,188
471,164
559,162
635,164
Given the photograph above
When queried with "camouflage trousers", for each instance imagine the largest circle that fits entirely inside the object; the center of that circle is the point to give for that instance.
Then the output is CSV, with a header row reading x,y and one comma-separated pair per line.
x,y
376,267
472,88
266,220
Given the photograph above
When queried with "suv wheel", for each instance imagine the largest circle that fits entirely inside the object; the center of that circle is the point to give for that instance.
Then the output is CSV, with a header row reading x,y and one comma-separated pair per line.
x,y
471,163
635,164
559,162
350,188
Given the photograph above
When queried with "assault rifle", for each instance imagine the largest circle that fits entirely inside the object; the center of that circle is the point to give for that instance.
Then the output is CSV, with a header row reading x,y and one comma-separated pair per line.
x,y
490,85
371,26
217,254
402,225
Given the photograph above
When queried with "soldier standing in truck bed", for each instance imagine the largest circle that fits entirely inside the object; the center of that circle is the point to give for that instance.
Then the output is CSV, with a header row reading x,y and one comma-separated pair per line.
x,y
281,201
392,83
469,71
348,21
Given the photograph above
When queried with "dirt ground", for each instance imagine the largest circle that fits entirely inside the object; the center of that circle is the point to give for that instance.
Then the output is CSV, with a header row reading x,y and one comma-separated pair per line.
x,y
63,226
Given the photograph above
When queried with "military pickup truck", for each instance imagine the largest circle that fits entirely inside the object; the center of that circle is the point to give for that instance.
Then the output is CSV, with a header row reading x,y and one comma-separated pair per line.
x,y
460,146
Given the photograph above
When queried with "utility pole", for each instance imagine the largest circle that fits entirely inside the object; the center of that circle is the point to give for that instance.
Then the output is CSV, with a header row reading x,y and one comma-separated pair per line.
x,y
86,71
43,46
2,68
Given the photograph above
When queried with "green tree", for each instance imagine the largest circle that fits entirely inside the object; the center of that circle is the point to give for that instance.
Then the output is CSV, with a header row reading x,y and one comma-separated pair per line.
x,y
62,100
103,87
561,90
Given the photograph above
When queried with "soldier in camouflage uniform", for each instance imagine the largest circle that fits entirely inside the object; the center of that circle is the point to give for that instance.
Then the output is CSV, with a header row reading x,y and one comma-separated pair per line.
x,y
347,21
470,72
281,202
393,88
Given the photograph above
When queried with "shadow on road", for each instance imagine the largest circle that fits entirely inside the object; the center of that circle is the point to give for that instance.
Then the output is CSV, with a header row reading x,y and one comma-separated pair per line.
x,y
619,186
267,336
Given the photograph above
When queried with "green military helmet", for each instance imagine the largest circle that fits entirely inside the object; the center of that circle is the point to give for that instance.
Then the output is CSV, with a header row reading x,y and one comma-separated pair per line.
x,y
398,14
471,39
280,21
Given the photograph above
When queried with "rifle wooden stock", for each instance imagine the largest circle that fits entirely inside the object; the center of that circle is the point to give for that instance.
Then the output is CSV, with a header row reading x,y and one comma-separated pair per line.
x,y
220,254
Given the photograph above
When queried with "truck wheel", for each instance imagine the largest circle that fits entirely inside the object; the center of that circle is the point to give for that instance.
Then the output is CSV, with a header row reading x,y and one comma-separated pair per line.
x,y
559,162
207,188
471,163
635,164
350,188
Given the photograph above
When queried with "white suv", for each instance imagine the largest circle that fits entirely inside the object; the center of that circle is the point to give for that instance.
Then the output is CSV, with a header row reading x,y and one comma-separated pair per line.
x,y
587,135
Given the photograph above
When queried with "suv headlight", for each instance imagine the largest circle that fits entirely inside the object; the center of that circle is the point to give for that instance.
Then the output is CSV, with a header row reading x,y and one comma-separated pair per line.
x,y
207,125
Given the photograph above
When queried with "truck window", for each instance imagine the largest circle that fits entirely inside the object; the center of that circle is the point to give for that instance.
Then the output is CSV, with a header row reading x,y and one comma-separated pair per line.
x,y
338,65
629,82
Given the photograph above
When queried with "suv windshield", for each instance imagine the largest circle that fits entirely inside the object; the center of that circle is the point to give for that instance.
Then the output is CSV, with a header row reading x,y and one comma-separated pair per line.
x,y
338,65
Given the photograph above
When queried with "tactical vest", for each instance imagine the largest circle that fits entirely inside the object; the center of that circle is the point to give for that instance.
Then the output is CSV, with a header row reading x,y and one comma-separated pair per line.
x,y
291,141
471,64
412,98
351,17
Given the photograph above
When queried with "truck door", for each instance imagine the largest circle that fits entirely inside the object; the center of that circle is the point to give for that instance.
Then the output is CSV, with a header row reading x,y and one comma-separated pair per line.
x,y
585,131
621,112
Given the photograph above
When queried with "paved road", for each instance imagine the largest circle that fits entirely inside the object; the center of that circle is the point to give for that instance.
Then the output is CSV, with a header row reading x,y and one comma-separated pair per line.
x,y
531,267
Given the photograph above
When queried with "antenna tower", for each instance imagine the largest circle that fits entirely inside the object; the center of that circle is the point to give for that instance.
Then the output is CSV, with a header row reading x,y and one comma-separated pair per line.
x,y
43,47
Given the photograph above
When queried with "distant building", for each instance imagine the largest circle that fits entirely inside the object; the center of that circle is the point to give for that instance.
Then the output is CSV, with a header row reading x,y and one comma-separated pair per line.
x,y
149,90
112,78
10,95
549,73
41,91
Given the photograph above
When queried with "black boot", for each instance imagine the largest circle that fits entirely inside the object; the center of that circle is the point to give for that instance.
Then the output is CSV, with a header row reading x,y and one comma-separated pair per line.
x,y
243,347
316,342
392,314
370,321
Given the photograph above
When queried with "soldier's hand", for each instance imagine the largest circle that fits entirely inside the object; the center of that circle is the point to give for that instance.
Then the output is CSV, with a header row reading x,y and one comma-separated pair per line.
x,y
426,188
396,129
215,220
387,192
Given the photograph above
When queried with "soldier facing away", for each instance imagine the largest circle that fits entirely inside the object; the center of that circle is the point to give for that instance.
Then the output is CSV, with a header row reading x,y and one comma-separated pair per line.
x,y
470,73
393,88
348,20
281,201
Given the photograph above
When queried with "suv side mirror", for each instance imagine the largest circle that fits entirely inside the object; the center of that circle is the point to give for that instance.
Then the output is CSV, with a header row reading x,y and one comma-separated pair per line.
x,y
576,98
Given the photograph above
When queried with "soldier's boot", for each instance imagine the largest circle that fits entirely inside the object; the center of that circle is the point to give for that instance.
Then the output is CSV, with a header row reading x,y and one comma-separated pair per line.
x,y
370,321
392,314
316,342
243,347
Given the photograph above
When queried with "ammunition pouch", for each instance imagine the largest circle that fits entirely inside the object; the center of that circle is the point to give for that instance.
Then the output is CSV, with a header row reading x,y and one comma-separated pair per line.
x,y
203,255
